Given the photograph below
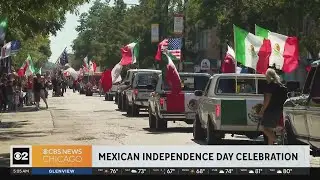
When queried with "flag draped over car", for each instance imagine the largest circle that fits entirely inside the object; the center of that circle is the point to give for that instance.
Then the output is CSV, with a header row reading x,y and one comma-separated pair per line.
x,y
106,80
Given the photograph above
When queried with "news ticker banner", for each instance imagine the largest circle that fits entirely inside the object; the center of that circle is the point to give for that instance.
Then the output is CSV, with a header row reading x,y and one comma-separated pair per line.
x,y
42,158
160,171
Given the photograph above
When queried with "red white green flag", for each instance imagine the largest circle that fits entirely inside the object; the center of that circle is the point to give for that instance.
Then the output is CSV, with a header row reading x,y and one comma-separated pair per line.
x,y
130,53
169,72
284,50
27,68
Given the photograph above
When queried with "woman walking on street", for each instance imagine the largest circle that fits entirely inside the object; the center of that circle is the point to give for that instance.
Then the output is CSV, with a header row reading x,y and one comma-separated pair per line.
x,y
271,111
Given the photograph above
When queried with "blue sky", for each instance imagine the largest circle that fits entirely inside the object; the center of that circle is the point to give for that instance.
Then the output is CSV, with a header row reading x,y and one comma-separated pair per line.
x,y
65,37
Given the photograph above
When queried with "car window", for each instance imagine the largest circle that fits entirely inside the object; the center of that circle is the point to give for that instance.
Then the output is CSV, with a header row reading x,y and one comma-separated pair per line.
x,y
145,79
190,83
315,90
207,88
240,86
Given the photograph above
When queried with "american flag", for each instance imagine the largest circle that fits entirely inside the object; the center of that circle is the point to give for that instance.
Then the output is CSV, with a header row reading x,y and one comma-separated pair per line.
x,y
64,57
173,45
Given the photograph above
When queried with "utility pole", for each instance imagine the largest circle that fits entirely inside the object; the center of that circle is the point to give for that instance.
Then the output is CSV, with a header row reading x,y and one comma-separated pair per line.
x,y
183,47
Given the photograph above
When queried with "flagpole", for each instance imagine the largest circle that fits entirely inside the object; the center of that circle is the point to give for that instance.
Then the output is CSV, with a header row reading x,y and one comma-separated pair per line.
x,y
235,62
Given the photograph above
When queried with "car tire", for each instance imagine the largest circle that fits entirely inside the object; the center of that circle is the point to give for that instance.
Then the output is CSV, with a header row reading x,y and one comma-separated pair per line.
x,y
134,110
161,124
129,110
211,137
152,120
124,104
116,98
198,131
289,135
110,97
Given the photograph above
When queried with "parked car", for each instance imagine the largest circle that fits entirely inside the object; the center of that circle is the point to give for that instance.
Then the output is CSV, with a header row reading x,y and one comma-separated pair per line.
x,y
127,83
302,112
165,106
230,104
137,97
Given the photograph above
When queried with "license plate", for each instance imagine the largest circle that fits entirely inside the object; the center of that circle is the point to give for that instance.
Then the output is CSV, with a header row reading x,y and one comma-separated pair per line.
x,y
144,95
191,115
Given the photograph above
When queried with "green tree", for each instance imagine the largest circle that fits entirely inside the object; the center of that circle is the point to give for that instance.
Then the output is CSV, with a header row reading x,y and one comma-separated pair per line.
x,y
31,22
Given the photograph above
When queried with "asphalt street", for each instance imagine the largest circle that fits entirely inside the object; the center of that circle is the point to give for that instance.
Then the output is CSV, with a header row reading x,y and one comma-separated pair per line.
x,y
77,119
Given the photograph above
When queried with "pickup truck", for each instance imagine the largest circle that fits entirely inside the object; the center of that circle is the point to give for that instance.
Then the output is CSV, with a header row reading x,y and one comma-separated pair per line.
x,y
302,112
165,106
127,84
229,104
137,97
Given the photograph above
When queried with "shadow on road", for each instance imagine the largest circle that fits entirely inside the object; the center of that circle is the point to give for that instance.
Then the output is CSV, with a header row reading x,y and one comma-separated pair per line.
x,y
5,160
24,109
140,115
232,142
169,130
9,135
15,124
110,111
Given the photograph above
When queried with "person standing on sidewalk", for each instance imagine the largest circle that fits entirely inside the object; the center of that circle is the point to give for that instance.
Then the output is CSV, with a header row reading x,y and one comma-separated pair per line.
x,y
43,90
3,94
10,95
274,97
29,91
37,91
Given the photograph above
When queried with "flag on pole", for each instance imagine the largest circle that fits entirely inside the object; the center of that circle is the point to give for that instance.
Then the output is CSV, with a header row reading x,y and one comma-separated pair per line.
x,y
64,57
130,53
173,45
3,28
250,49
229,63
284,50
27,68
92,66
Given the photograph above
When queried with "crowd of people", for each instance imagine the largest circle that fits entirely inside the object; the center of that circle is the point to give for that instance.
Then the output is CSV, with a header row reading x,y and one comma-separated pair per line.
x,y
16,92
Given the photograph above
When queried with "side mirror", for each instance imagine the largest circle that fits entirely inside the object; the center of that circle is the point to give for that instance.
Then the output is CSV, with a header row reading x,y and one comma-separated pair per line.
x,y
198,93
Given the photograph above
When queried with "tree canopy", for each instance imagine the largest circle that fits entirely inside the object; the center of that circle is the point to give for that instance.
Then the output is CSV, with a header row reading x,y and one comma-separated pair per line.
x,y
293,18
32,21
106,28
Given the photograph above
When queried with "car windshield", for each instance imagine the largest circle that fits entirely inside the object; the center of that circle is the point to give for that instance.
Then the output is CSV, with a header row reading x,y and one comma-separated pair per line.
x,y
145,79
190,83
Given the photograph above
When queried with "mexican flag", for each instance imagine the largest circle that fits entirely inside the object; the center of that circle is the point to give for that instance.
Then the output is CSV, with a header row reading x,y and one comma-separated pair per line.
x,y
130,54
169,72
27,68
229,63
3,28
85,64
285,51
251,50
244,112
92,66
